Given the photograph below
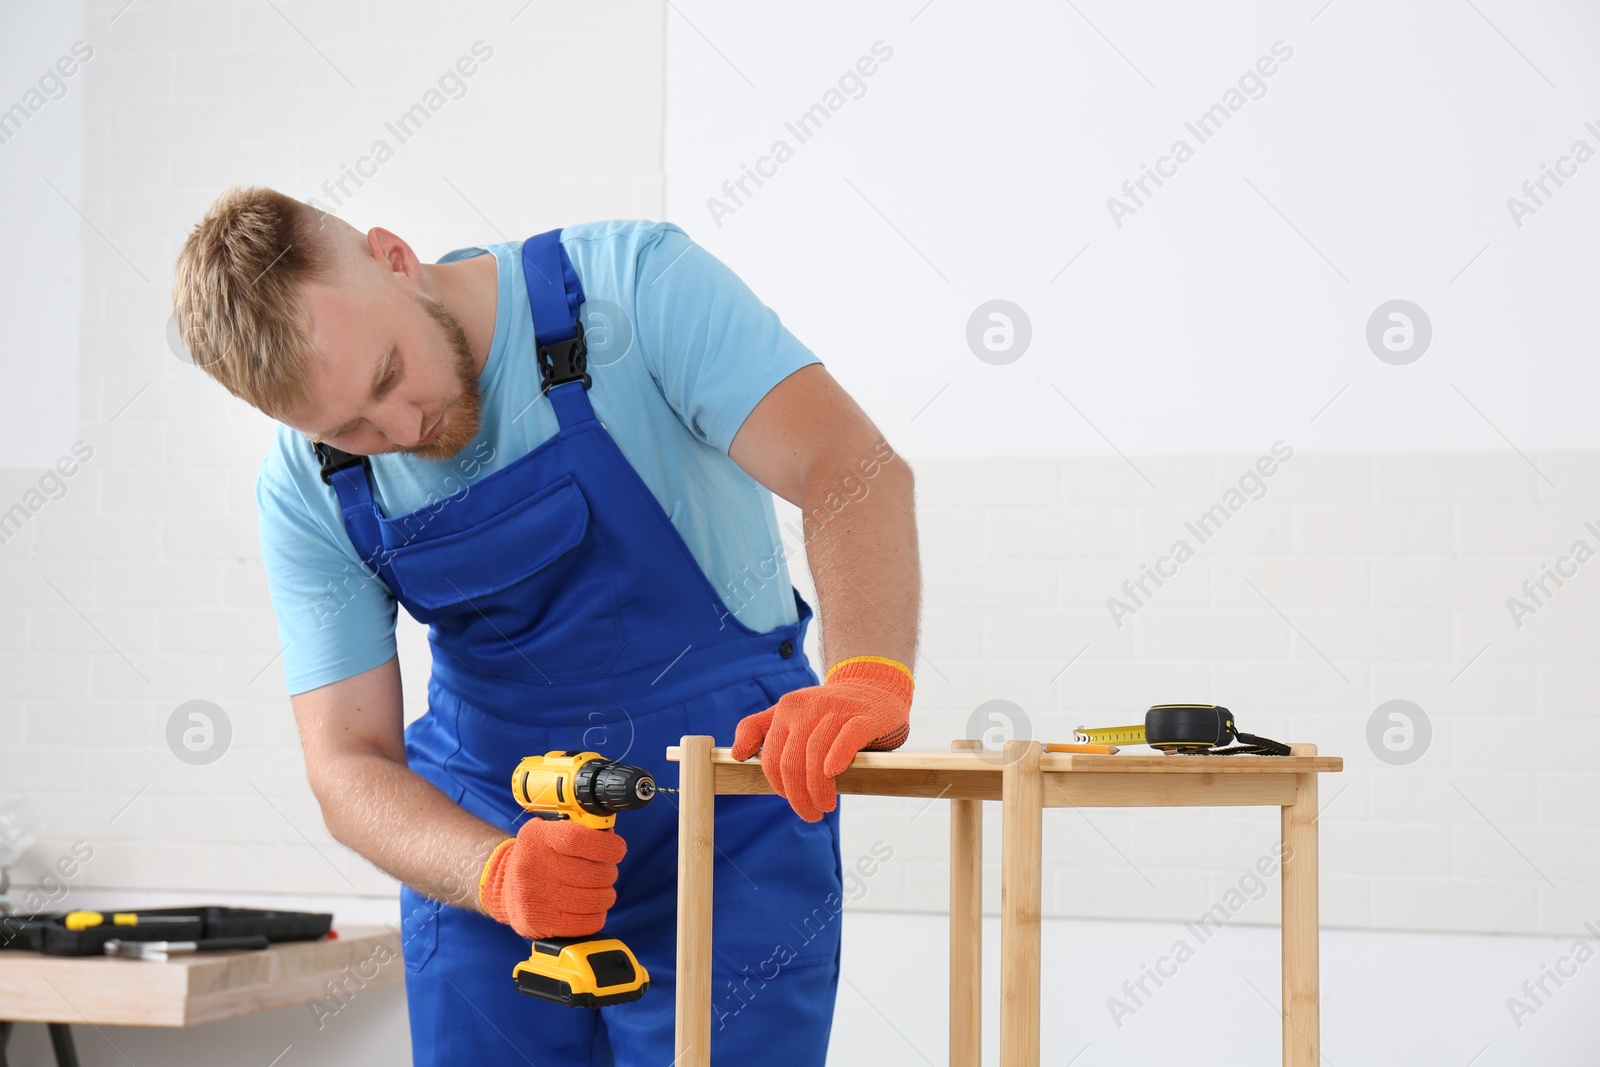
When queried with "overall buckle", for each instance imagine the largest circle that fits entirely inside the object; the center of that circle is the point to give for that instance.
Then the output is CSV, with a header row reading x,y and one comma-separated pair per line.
x,y
564,361
333,461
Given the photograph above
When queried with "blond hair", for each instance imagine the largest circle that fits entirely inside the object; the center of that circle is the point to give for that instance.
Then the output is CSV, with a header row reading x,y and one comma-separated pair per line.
x,y
236,292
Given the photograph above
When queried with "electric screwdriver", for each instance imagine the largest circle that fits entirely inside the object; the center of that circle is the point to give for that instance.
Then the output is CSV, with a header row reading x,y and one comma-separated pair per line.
x,y
593,971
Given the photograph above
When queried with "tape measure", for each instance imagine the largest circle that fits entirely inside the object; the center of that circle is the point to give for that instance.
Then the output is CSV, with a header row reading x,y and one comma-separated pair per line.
x,y
1187,729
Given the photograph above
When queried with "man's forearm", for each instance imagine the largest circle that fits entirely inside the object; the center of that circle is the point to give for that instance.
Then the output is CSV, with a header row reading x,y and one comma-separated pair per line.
x,y
403,825
861,544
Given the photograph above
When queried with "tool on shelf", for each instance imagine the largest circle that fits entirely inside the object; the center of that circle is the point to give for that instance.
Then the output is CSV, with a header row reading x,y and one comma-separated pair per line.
x,y
593,971
86,920
1186,729
82,932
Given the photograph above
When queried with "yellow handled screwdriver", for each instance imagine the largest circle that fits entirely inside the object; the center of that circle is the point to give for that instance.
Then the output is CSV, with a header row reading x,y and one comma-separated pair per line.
x,y
84,920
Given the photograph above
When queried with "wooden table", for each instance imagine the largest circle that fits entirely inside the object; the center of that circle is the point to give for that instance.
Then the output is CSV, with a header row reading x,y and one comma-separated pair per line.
x,y
186,990
1025,780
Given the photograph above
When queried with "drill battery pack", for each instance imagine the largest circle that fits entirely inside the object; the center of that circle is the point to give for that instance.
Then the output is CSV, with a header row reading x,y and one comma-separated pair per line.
x,y
581,972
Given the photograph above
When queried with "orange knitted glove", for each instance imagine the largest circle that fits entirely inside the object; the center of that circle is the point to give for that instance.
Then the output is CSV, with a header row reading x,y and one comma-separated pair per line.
x,y
812,734
553,879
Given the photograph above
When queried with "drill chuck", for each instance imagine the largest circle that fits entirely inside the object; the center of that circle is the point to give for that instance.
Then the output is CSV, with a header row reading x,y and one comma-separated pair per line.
x,y
605,788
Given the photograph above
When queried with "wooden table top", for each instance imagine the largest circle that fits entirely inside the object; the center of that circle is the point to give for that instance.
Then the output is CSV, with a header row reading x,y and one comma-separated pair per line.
x,y
1071,779
200,987
1066,762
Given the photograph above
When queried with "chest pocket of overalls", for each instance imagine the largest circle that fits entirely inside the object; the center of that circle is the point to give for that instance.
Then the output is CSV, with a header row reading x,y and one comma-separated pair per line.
x,y
525,593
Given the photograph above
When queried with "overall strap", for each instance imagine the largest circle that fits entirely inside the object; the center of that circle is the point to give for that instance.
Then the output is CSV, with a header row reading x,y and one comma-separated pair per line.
x,y
554,297
349,475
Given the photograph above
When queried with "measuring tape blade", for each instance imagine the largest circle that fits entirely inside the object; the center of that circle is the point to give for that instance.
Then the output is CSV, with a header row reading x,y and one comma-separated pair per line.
x,y
1111,735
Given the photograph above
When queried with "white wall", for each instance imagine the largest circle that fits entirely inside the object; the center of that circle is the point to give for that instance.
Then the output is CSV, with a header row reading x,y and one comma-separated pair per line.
x,y
41,164
1389,1000
979,160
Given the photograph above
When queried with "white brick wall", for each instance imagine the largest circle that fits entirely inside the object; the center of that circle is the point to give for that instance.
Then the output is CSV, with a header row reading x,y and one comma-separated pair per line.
x,y
1395,568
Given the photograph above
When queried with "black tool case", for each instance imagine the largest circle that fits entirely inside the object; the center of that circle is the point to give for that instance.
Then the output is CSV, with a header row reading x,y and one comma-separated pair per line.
x,y
48,933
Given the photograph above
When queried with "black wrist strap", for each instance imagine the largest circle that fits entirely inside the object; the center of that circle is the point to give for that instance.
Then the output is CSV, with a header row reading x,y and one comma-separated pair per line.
x,y
1252,745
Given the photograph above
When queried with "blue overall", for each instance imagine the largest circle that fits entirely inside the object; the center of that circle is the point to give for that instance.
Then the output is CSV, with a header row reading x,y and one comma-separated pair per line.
x,y
566,612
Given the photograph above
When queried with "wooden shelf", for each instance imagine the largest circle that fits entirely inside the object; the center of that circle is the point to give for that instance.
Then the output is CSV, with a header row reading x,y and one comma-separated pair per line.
x,y
198,988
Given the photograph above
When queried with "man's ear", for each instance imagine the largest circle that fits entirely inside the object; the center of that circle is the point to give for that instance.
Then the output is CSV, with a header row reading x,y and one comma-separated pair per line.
x,y
391,250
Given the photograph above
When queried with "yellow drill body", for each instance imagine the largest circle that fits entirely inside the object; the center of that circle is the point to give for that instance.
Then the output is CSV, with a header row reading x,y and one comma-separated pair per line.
x,y
588,972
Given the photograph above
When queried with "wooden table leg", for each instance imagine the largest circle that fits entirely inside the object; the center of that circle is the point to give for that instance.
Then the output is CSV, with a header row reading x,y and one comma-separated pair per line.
x,y
1021,840
1301,992
966,927
696,824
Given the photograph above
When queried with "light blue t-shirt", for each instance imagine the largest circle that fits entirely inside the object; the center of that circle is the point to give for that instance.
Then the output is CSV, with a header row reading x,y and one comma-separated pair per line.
x,y
680,351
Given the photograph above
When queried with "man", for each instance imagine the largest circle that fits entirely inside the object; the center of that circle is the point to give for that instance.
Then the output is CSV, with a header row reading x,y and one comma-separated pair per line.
x,y
595,551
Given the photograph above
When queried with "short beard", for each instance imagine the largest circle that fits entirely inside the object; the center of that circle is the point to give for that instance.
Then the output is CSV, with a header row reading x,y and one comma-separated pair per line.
x,y
464,416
